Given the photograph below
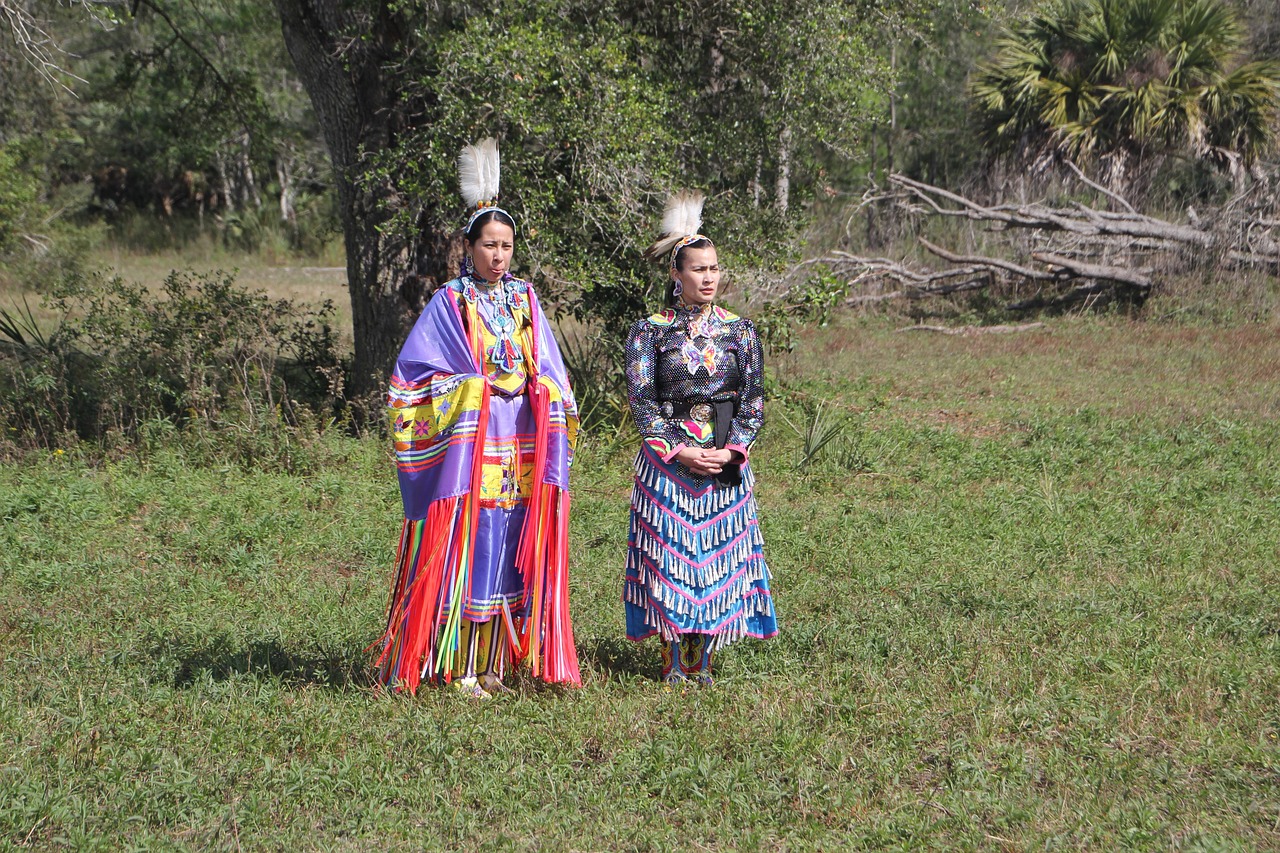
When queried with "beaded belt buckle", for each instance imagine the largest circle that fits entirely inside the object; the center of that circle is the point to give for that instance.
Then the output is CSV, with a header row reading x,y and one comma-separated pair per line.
x,y
701,413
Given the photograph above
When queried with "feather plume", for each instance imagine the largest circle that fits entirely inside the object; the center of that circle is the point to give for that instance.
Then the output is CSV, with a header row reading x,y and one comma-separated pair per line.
x,y
479,172
682,217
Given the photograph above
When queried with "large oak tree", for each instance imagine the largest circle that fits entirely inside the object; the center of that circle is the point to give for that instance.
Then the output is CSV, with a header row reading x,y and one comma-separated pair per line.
x,y
602,107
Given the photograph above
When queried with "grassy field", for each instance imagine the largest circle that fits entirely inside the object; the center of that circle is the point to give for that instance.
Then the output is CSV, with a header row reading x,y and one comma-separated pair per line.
x,y
1028,601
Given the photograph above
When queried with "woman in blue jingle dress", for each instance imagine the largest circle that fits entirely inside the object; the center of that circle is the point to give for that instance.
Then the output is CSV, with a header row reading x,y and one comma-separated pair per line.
x,y
695,571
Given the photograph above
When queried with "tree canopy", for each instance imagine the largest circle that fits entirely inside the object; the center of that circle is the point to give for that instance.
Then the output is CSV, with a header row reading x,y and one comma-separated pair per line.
x,y
602,108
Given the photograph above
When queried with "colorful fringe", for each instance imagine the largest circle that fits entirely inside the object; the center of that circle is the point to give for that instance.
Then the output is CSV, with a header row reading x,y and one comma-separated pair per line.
x,y
695,557
441,411
424,635
543,560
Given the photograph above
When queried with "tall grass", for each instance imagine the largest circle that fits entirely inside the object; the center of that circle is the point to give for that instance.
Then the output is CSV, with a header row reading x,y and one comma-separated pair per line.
x,y
1039,613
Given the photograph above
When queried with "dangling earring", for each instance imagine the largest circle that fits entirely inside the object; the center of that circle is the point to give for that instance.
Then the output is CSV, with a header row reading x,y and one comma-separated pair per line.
x,y
677,288
466,268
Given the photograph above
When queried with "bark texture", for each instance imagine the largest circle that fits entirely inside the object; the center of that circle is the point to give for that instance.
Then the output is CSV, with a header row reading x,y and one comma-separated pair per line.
x,y
343,52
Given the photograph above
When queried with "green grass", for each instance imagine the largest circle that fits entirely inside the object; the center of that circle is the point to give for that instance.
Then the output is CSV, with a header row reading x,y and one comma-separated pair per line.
x,y
1028,601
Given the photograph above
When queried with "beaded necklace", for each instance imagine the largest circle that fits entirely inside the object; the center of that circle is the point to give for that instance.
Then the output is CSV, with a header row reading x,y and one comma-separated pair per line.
x,y
503,298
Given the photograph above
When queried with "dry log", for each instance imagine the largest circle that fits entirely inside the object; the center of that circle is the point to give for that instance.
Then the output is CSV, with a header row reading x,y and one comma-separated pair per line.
x,y
1083,220
1080,269
1079,248
1110,227
996,263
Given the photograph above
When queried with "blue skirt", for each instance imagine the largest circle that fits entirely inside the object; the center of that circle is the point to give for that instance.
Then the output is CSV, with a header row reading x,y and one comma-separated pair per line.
x,y
695,556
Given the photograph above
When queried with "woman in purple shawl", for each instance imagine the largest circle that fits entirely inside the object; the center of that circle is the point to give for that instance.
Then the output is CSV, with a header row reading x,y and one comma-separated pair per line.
x,y
484,424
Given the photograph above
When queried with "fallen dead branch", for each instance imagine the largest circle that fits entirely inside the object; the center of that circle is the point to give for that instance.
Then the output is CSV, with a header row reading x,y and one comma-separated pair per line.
x,y
1086,254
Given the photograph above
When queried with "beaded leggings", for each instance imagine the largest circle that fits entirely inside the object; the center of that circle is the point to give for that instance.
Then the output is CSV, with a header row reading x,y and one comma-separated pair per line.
x,y
687,658
484,647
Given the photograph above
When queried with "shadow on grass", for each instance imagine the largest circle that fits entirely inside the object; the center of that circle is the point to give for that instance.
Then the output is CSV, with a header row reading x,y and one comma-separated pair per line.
x,y
186,662
222,659
620,659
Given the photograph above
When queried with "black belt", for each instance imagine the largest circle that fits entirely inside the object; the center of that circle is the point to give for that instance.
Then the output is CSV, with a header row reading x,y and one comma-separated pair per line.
x,y
719,415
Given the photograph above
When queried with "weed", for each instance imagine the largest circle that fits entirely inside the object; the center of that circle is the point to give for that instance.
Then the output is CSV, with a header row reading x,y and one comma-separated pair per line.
x,y
202,352
824,427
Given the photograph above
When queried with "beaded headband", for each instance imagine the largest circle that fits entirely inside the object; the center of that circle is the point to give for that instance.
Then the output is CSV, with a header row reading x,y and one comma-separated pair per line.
x,y
687,241
485,207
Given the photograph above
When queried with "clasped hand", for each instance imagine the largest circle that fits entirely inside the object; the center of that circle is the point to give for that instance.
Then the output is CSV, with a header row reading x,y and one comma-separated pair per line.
x,y
704,462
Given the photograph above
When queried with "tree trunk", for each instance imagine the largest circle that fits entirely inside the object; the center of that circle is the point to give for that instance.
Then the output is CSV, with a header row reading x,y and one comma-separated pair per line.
x,y
342,61
224,180
782,187
284,174
892,134
248,180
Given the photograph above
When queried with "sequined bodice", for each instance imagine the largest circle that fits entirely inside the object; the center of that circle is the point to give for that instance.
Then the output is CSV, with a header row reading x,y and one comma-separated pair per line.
x,y
695,359
694,355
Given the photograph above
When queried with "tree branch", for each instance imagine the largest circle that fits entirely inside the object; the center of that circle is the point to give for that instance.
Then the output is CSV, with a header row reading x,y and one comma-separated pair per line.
x,y
1134,278
973,330
1116,197
996,263
208,63
38,47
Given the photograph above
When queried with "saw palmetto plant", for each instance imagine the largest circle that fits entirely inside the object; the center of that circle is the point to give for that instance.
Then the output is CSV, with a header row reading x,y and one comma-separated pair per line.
x,y
1120,83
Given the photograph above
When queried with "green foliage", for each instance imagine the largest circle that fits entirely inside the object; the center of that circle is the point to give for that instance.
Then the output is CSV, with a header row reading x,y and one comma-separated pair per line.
x,y
201,353
934,139
184,111
604,109
595,364
1118,82
776,326
585,151
19,191
778,86
815,302
1045,620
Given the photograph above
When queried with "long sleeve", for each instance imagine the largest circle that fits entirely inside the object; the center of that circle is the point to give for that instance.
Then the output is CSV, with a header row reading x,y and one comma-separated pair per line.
x,y
750,416
642,390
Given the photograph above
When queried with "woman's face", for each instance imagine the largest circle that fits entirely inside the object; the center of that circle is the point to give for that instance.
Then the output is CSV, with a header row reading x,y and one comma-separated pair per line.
x,y
699,275
491,252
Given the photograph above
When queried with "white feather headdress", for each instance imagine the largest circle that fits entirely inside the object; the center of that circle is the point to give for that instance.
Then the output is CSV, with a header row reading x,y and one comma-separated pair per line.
x,y
680,223
480,173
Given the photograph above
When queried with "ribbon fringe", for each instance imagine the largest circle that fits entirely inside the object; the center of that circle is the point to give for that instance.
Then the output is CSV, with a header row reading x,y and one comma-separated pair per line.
x,y
543,561
695,556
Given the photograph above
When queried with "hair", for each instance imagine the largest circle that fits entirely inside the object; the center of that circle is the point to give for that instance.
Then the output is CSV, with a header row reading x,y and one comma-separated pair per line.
x,y
472,234
696,244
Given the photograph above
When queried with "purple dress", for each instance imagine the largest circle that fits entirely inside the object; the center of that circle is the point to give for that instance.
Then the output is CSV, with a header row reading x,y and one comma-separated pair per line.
x,y
484,424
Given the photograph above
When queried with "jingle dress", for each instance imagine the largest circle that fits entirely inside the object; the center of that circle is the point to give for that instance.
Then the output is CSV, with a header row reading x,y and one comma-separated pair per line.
x,y
695,558
484,424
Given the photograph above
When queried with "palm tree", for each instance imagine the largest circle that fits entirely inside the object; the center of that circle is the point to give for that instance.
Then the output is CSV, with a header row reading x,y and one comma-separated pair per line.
x,y
1121,84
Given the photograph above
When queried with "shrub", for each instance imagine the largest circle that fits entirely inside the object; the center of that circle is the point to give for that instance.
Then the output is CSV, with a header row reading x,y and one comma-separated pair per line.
x,y
202,353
